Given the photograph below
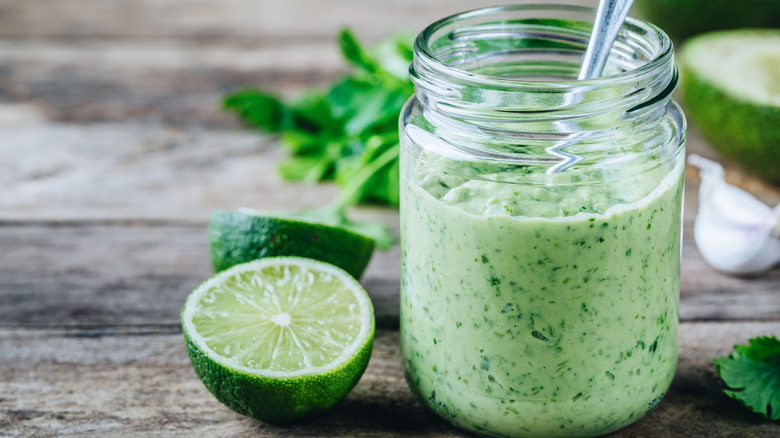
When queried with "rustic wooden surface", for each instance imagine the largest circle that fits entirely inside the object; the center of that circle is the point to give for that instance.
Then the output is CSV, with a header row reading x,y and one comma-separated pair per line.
x,y
113,152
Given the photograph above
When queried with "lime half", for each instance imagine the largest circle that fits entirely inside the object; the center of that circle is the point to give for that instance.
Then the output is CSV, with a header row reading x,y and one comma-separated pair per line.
x,y
279,339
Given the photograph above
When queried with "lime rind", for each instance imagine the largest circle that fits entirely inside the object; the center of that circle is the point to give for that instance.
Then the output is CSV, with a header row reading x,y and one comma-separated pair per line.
x,y
365,308
274,396
237,237
276,400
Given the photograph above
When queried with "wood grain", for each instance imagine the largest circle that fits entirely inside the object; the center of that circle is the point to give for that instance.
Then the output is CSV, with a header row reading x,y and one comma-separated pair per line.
x,y
138,381
139,273
113,153
170,61
125,274
177,83
141,171
261,22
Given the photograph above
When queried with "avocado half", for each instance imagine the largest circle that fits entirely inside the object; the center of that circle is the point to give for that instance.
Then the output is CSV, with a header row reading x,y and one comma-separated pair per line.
x,y
730,81
681,19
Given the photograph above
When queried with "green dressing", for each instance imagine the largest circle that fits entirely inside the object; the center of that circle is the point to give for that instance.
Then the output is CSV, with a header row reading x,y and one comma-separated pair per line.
x,y
546,307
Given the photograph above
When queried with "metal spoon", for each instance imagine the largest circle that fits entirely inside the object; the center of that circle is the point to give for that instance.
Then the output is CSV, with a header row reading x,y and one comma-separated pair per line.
x,y
609,19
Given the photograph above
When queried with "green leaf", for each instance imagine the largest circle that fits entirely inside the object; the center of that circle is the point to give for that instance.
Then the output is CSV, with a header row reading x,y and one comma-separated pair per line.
x,y
343,96
384,186
348,131
367,178
394,55
355,54
372,112
314,114
312,168
259,109
752,373
304,143
303,168
761,348
404,49
375,230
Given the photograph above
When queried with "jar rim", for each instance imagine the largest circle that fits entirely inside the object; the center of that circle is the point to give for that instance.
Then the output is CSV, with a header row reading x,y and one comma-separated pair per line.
x,y
535,108
425,54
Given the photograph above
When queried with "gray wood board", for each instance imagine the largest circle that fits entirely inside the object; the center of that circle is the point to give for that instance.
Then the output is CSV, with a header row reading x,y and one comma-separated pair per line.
x,y
124,273
138,381
266,22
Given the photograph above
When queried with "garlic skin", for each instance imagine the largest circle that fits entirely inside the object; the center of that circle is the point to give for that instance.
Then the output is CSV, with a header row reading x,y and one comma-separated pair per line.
x,y
736,233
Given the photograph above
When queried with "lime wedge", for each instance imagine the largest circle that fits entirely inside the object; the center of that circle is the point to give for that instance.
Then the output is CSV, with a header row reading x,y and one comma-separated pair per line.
x,y
238,237
279,339
731,88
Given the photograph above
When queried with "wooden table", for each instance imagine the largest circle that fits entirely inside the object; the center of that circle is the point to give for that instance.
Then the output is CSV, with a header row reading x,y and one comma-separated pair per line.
x,y
113,152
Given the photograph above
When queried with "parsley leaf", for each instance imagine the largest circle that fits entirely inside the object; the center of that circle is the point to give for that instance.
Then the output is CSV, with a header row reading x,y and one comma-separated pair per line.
x,y
752,373
347,133
332,133
260,109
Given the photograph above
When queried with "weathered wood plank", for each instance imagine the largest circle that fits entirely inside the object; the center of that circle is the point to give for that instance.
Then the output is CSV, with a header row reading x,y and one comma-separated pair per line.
x,y
103,225
171,61
137,170
706,294
103,275
206,20
138,381
123,172
76,274
141,170
171,82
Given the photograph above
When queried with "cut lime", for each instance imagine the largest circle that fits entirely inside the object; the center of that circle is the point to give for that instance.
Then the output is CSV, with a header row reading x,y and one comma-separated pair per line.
x,y
281,338
238,237
731,87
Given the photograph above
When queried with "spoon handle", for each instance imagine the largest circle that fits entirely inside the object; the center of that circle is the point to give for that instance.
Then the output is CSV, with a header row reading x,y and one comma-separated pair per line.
x,y
609,20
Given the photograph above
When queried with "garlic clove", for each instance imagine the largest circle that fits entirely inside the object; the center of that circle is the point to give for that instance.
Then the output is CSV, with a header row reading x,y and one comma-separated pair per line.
x,y
735,232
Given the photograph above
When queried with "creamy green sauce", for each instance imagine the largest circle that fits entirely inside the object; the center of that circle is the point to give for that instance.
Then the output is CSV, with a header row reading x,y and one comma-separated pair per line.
x,y
539,311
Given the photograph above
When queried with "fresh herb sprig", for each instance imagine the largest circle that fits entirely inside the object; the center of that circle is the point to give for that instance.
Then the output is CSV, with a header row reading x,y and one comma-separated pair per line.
x,y
752,373
347,133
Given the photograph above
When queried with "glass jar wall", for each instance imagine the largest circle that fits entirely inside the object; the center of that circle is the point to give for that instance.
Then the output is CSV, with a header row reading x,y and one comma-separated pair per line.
x,y
540,223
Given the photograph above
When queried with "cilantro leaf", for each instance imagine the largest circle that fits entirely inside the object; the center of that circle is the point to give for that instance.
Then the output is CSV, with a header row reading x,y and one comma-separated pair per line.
x,y
328,131
752,373
374,175
260,109
347,133
354,53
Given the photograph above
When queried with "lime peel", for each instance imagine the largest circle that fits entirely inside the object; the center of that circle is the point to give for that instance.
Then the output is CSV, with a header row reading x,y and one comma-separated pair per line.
x,y
241,236
214,336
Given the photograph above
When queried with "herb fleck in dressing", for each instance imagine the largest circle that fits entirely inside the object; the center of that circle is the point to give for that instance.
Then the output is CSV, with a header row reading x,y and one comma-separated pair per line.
x,y
549,308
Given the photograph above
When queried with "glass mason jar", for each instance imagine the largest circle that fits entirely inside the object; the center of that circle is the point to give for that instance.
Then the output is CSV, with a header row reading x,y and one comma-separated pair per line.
x,y
540,223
